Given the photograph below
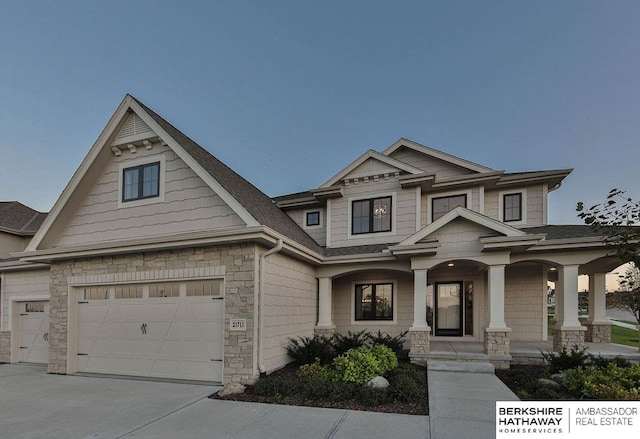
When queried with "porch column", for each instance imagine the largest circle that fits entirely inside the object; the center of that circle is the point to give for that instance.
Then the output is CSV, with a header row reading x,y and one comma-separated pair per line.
x,y
419,333
496,335
325,325
598,325
567,330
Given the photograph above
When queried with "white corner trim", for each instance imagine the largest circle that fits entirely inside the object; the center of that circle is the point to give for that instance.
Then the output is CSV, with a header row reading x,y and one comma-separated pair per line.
x,y
328,228
142,161
501,194
545,204
418,207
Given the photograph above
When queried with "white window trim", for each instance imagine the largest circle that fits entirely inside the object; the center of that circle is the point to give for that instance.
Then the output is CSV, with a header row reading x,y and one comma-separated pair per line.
x,y
431,196
523,200
138,162
394,303
394,210
304,219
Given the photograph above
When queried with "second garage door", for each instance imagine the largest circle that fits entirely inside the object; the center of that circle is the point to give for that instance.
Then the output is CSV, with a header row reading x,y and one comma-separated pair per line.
x,y
164,330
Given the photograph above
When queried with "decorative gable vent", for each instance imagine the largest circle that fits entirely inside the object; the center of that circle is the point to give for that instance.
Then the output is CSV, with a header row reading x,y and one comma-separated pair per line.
x,y
134,126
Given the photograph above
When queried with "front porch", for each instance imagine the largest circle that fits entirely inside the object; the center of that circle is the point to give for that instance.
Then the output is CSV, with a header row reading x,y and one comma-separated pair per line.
x,y
522,352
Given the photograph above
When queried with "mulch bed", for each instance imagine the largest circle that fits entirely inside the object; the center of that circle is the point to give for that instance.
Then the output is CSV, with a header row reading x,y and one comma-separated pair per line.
x,y
522,380
290,372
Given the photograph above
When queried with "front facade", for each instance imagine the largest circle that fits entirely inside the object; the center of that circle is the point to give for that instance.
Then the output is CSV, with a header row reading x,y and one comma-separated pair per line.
x,y
161,261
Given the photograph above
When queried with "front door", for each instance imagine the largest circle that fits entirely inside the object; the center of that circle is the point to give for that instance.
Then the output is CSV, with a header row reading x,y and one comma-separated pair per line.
x,y
448,305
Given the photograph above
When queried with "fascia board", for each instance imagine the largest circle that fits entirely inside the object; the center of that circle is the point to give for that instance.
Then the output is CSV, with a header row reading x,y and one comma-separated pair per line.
x,y
82,170
234,204
21,266
440,155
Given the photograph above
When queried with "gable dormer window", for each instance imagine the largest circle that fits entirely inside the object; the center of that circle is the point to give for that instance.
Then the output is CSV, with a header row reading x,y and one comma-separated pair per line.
x,y
141,182
441,206
371,216
512,207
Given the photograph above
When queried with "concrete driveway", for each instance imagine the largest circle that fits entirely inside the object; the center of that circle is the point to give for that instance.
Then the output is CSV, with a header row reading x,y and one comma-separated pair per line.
x,y
37,405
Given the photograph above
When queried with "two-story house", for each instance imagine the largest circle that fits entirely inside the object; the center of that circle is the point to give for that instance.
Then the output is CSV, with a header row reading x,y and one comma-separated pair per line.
x,y
164,262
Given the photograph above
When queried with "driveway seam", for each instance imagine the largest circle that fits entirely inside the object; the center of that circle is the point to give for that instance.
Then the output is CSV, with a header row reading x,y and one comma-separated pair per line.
x,y
161,417
334,429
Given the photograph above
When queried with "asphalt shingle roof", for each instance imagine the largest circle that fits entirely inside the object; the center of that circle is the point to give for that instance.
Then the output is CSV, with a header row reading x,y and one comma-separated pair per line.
x,y
19,219
258,204
564,231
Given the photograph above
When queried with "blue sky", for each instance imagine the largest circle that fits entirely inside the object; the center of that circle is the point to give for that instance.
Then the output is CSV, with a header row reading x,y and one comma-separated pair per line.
x,y
289,92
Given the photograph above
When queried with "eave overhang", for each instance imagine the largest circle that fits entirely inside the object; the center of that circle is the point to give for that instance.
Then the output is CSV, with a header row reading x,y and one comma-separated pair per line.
x,y
513,243
428,248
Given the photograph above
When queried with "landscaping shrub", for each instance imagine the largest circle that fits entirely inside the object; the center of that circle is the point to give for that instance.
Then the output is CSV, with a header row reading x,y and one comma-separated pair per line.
x,y
274,386
405,384
565,360
353,340
305,350
609,383
363,364
396,343
602,363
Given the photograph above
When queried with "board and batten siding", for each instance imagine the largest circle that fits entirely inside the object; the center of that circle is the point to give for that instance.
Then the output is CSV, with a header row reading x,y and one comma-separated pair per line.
x,y
290,307
189,205
403,211
525,301
22,283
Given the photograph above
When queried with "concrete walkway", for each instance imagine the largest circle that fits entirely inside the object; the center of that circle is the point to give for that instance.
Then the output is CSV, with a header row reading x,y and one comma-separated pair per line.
x,y
462,399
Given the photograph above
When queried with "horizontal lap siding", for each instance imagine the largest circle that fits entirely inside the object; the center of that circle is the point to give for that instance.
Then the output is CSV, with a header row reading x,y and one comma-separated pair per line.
x,y
189,205
319,234
525,300
290,306
343,296
22,283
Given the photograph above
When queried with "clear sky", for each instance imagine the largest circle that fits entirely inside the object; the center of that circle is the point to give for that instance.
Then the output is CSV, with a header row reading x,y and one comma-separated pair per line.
x,y
289,92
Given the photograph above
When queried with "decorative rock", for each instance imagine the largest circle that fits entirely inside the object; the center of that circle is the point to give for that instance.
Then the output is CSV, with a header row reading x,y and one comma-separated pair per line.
x,y
231,389
543,382
378,383
558,377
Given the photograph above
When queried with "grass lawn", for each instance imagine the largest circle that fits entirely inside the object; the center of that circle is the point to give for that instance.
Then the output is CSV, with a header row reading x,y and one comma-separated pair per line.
x,y
619,335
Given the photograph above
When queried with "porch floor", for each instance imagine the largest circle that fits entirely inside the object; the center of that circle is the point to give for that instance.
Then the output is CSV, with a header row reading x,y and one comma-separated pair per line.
x,y
522,351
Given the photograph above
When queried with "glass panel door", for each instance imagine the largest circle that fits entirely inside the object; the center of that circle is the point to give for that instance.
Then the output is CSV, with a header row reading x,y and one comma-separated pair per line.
x,y
449,309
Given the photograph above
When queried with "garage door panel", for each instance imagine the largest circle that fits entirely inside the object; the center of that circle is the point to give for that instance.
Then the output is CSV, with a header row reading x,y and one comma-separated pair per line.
x,y
169,337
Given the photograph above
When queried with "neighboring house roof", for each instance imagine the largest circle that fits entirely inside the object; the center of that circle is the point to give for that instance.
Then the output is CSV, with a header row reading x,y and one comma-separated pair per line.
x,y
18,219
259,205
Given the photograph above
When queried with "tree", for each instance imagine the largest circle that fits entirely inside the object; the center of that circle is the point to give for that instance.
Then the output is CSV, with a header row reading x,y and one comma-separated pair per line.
x,y
616,220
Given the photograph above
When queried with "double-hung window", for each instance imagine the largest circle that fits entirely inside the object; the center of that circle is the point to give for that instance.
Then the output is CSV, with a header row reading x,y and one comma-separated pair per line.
x,y
443,205
374,301
141,182
512,207
371,216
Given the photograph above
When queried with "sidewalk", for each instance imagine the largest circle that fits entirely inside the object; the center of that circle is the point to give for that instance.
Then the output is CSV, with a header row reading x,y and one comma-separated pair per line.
x,y
462,399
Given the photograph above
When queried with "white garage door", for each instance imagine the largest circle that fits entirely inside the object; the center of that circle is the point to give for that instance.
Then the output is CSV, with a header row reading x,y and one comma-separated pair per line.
x,y
165,330
34,332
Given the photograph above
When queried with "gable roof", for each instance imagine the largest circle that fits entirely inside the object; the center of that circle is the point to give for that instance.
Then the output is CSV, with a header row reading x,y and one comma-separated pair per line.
x,y
437,154
251,204
371,154
18,219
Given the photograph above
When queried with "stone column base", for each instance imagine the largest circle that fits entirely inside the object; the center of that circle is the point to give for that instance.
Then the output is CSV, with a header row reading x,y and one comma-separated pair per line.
x,y
567,337
5,346
419,340
327,331
496,341
598,332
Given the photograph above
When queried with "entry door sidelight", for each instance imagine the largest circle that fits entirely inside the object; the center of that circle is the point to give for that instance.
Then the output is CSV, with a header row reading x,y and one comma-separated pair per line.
x,y
448,309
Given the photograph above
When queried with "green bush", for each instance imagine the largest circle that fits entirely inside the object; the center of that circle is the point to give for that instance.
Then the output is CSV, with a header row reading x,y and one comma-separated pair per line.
x,y
405,384
609,383
396,344
602,363
363,364
565,360
353,340
273,387
305,350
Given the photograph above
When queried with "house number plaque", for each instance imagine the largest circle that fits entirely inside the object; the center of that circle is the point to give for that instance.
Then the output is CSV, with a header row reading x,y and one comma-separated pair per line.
x,y
238,325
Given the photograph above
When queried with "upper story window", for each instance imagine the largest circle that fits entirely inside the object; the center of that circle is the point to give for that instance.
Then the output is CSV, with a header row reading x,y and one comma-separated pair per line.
x,y
312,218
141,182
441,206
371,216
512,207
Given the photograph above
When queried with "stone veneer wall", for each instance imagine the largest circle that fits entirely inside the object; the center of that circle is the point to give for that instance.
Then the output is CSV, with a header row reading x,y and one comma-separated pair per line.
x,y
236,261
5,346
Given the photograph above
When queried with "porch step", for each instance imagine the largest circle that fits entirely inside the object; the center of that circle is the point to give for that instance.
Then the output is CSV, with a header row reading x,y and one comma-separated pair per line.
x,y
460,366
